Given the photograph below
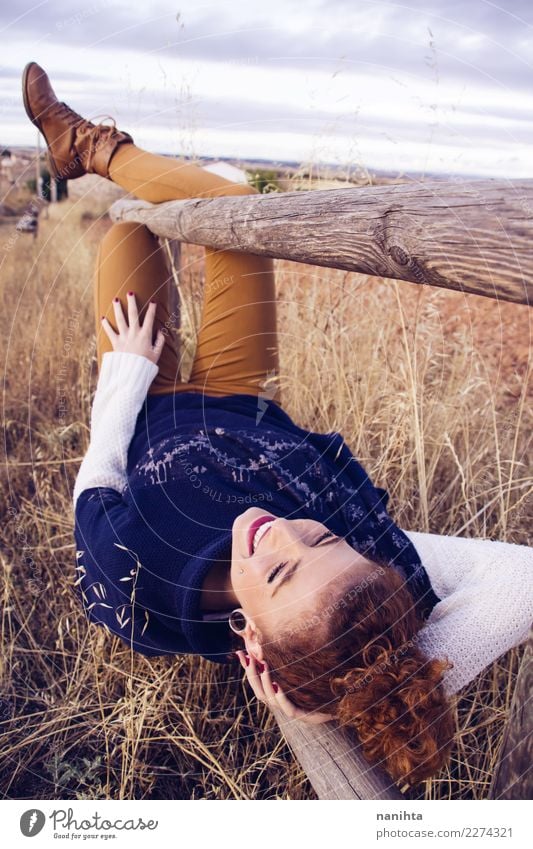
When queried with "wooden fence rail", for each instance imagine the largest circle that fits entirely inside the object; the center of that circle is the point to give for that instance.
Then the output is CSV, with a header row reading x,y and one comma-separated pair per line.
x,y
471,236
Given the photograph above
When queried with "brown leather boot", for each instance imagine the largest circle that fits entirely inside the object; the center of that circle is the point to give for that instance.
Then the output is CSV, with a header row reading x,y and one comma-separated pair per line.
x,y
75,146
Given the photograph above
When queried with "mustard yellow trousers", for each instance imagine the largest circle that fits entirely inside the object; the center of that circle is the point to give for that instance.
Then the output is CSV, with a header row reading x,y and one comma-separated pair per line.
x,y
237,345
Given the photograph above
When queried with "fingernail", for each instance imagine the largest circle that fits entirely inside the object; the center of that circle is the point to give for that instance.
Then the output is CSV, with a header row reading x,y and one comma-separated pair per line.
x,y
247,659
153,302
130,293
260,667
102,317
115,300
275,686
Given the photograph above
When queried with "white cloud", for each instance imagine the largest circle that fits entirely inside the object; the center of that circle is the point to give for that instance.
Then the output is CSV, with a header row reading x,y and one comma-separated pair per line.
x,y
226,89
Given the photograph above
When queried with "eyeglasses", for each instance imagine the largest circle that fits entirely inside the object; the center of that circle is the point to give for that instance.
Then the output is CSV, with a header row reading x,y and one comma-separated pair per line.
x,y
237,621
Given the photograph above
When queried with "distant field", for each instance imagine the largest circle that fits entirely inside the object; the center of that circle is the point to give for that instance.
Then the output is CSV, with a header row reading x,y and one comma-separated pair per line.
x,y
81,718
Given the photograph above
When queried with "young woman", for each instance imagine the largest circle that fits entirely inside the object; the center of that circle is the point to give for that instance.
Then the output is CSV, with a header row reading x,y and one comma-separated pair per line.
x,y
206,520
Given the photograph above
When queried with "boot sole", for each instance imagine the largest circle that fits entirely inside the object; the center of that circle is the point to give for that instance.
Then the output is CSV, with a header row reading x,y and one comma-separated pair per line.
x,y
53,169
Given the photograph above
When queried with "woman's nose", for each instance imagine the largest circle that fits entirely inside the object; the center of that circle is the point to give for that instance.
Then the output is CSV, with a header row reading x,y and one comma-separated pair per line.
x,y
287,533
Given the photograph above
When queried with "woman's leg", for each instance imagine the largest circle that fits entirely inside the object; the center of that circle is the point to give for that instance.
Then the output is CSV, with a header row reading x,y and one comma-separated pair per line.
x,y
159,178
237,341
237,347
234,353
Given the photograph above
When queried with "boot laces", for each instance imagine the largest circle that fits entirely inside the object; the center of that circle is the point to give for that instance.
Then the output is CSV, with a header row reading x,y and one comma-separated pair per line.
x,y
97,133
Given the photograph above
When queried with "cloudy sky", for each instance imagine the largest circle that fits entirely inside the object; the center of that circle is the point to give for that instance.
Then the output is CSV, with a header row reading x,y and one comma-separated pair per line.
x,y
434,86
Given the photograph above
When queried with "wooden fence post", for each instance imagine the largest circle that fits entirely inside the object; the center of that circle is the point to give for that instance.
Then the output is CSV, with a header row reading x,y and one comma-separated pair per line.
x,y
173,254
333,762
513,776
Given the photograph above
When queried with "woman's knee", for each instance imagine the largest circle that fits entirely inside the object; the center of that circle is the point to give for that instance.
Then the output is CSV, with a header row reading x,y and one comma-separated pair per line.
x,y
251,190
122,232
244,189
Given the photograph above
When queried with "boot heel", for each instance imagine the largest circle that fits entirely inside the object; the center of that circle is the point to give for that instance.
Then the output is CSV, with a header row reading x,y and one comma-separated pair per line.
x,y
52,166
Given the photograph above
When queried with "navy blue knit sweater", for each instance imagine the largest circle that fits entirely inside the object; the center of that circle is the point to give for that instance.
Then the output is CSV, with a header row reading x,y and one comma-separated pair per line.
x,y
196,462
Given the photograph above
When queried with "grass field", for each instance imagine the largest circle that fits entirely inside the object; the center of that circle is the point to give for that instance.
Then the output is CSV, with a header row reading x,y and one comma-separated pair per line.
x,y
430,390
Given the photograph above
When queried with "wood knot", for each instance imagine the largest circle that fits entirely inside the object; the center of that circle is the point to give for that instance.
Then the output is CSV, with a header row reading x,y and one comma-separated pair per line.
x,y
415,271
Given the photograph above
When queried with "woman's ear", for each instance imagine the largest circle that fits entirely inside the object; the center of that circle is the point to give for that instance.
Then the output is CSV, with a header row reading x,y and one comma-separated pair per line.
x,y
252,639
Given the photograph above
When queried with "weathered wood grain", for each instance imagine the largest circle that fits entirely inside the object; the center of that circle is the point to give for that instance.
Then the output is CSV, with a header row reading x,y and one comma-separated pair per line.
x,y
172,250
513,776
471,236
334,763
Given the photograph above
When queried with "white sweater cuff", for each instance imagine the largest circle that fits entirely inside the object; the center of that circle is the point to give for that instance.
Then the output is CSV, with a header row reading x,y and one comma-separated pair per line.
x,y
486,607
121,390
123,370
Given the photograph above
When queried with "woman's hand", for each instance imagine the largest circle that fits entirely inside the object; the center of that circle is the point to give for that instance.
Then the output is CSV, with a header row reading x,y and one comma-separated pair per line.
x,y
270,693
132,337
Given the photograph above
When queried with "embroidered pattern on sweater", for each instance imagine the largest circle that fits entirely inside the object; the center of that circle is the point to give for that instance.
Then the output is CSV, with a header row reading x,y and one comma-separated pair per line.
x,y
94,594
238,458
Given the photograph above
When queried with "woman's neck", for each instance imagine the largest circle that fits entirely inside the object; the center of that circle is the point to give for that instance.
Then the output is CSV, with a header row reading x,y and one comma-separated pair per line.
x,y
217,589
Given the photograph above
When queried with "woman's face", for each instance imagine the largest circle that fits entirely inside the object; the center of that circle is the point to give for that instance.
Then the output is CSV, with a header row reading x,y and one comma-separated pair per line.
x,y
309,555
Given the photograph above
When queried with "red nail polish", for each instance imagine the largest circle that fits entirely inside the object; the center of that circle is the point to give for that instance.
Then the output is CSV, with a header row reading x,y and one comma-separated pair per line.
x,y
247,659
260,667
115,300
102,317
275,686
130,293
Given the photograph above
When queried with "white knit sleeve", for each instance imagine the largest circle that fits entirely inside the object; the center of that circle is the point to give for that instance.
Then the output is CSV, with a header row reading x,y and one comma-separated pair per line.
x,y
486,607
123,383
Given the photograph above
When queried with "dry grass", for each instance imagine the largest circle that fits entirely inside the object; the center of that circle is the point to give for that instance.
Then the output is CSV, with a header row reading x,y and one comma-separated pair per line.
x,y
428,389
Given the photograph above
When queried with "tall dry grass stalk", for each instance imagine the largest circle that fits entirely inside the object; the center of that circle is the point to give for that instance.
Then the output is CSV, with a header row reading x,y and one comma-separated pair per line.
x,y
425,409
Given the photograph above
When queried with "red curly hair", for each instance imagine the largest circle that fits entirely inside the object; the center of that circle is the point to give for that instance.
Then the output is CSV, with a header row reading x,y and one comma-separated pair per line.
x,y
355,657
